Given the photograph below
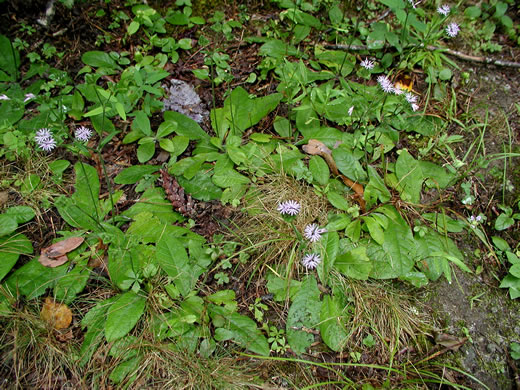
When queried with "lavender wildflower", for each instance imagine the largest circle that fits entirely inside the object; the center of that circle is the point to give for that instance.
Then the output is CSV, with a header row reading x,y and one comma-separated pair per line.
x,y
410,98
385,84
29,96
83,133
452,30
444,10
42,134
4,97
290,207
47,144
313,232
367,64
311,260
415,107
474,221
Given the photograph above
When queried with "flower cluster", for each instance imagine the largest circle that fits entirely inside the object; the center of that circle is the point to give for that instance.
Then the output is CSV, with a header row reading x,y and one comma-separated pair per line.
x,y
313,232
452,30
290,207
474,221
45,140
83,133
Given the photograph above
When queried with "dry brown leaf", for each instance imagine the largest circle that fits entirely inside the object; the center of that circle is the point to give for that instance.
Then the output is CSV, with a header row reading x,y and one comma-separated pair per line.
x,y
58,315
449,341
56,254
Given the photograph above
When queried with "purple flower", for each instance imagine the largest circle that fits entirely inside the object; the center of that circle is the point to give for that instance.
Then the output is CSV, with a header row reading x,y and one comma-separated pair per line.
x,y
367,64
444,10
290,207
415,106
313,232
29,96
42,134
385,84
47,144
410,98
4,97
83,133
311,260
452,29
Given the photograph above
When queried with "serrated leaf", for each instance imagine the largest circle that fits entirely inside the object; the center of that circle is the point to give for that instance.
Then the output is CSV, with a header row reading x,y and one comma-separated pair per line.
x,y
123,315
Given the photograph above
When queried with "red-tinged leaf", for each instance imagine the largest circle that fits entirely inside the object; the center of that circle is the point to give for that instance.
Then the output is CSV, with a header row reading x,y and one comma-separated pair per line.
x,y
52,262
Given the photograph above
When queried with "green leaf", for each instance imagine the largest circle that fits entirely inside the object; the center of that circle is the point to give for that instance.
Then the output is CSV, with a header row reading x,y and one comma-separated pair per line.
x,y
375,229
347,164
445,224
355,263
277,49
329,246
71,284
133,27
242,330
186,126
8,224
201,186
503,222
135,173
123,314
472,12
304,313
410,176
338,201
11,247
142,123
145,151
166,128
9,60
33,279
87,186
332,318
99,59
319,169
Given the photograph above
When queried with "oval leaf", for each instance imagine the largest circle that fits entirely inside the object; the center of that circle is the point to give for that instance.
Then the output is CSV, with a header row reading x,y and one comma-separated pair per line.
x,y
123,315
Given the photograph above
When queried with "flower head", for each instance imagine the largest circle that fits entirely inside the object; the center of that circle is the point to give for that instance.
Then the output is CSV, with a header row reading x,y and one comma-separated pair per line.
x,y
45,139
350,111
444,10
385,84
313,232
415,107
290,207
452,29
4,97
311,260
410,97
83,133
47,144
367,64
29,96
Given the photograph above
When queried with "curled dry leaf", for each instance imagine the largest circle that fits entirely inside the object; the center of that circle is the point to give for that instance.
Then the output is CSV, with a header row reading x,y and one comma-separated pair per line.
x,y
58,315
56,254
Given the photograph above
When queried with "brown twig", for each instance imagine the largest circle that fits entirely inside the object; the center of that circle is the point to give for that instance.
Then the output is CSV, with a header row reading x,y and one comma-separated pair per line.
x,y
451,52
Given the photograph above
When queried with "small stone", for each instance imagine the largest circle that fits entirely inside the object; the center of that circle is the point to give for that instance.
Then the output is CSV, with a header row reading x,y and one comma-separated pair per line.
x,y
491,348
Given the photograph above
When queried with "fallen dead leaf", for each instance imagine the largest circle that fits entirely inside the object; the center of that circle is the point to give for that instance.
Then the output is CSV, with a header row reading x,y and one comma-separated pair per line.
x,y
449,341
56,254
58,315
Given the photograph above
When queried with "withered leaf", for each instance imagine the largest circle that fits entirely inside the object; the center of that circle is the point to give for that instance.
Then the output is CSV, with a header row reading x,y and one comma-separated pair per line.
x,y
58,315
56,254
449,341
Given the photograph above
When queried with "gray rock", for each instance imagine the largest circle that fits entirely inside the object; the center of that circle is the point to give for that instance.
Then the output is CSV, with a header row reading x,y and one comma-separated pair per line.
x,y
183,98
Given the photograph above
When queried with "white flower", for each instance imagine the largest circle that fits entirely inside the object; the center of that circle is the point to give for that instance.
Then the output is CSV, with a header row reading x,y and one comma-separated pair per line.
x,y
415,107
397,90
42,134
452,29
313,232
367,64
350,110
311,260
410,98
83,133
385,84
4,97
444,10
29,96
290,207
47,144
412,3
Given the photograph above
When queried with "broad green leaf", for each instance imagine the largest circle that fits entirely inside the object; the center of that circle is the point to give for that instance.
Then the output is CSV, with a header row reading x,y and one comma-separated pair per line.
x,y
71,284
201,186
375,229
338,201
347,164
166,128
87,186
123,314
21,214
332,328
282,288
154,201
145,151
304,313
355,263
242,330
33,279
319,169
503,222
329,246
8,224
186,126
142,123
11,247
410,176
133,174
445,224
277,49
9,60
376,188
99,59
133,27
338,222
120,108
